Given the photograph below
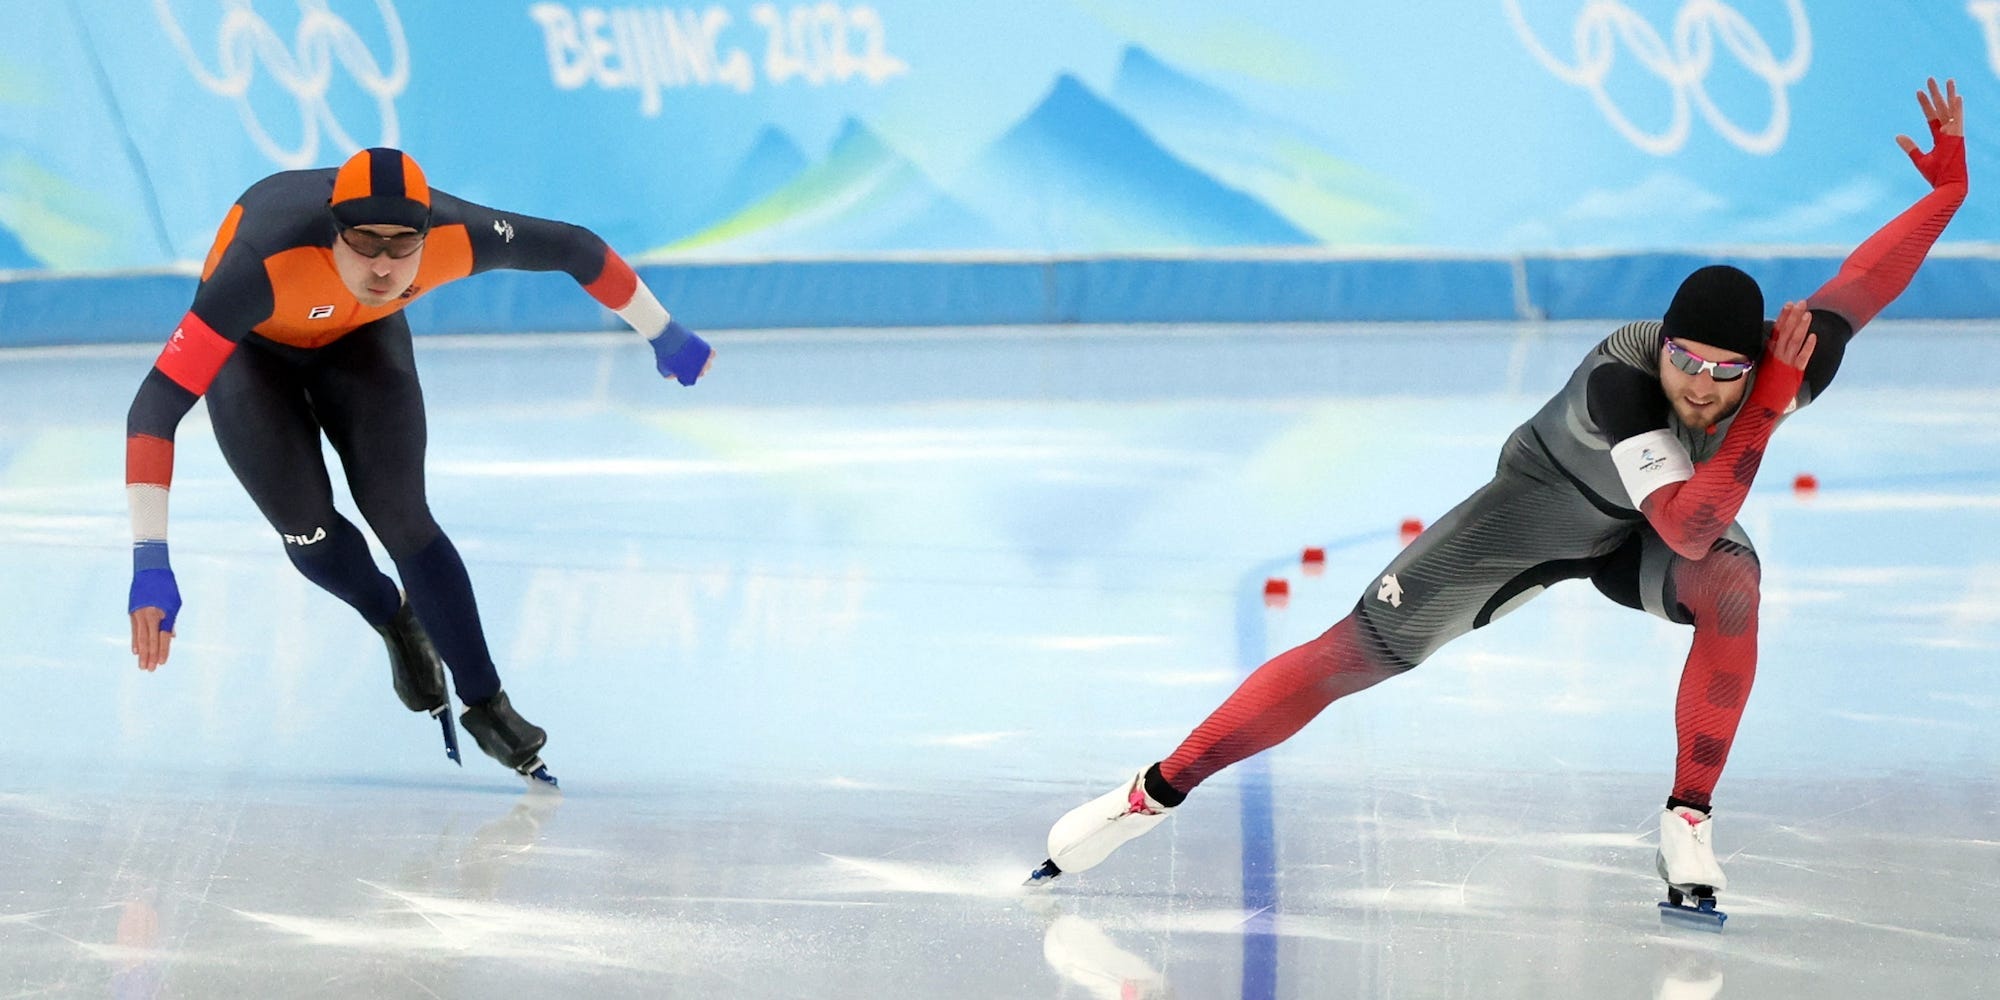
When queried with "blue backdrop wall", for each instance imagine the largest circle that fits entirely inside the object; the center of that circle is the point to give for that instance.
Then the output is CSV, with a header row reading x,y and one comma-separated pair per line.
x,y
911,161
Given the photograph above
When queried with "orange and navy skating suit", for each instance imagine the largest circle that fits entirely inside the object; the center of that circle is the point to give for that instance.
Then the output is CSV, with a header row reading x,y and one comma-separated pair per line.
x,y
270,275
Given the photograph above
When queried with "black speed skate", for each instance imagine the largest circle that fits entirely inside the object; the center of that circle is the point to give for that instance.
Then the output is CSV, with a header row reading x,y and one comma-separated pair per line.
x,y
418,673
509,739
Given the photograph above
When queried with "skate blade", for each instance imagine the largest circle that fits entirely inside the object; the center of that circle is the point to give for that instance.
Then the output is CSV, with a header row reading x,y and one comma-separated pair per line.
x,y
1703,916
537,775
1044,875
442,713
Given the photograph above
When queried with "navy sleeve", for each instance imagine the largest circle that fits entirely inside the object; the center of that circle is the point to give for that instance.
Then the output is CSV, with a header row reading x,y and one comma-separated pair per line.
x,y
508,241
158,406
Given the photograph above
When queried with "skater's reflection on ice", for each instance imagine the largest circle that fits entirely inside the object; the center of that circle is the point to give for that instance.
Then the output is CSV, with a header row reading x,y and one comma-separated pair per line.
x,y
1082,953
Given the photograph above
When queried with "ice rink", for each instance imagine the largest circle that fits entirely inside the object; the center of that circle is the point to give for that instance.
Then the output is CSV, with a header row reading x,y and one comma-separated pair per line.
x,y
827,642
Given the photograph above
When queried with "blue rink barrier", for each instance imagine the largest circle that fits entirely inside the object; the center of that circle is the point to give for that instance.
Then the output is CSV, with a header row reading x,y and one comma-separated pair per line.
x,y
41,310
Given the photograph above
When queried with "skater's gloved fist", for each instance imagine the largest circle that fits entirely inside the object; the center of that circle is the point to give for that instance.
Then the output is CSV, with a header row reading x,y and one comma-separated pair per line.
x,y
679,354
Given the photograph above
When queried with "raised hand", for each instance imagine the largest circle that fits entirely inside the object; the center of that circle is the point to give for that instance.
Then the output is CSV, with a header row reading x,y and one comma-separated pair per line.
x,y
1792,339
1782,369
1945,112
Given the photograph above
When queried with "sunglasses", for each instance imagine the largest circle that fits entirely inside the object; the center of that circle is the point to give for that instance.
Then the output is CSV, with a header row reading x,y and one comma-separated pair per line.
x,y
371,245
1694,364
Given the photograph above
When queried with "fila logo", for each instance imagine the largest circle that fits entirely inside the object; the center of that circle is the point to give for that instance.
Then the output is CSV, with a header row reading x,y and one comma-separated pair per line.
x,y
1391,591
1649,461
320,312
319,534
505,229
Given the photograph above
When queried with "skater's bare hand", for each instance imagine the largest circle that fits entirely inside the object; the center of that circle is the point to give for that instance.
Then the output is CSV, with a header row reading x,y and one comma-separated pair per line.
x,y
1792,339
1943,110
150,644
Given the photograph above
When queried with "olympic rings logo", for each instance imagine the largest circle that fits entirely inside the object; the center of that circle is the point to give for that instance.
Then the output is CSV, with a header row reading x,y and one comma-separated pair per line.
x,y
304,70
1684,67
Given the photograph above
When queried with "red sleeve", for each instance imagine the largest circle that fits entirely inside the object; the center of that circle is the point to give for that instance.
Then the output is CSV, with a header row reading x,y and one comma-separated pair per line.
x,y
1881,267
615,284
1691,515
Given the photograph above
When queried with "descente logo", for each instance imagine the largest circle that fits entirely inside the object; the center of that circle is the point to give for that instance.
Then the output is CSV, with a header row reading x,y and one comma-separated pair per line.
x,y
1391,591
319,534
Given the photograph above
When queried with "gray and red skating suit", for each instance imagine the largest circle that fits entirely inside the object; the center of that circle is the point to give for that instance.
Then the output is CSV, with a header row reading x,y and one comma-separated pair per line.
x,y
1603,483
1559,506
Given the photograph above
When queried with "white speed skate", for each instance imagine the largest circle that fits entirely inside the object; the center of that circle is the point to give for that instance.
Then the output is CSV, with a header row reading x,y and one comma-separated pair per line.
x,y
1086,835
1687,863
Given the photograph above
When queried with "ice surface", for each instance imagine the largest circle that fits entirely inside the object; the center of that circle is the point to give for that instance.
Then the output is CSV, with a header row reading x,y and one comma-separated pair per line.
x,y
825,643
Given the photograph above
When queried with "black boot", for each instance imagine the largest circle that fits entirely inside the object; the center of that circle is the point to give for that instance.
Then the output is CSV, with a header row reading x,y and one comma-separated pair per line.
x,y
503,734
413,662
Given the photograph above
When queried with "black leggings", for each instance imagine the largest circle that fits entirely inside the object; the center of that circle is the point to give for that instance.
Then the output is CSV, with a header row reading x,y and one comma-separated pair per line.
x,y
269,405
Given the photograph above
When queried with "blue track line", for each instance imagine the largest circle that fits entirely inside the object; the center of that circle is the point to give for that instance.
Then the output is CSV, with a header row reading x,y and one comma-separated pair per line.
x,y
1260,846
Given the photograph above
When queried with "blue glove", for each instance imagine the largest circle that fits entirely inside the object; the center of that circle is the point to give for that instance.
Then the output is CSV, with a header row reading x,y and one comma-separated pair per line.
x,y
679,354
153,582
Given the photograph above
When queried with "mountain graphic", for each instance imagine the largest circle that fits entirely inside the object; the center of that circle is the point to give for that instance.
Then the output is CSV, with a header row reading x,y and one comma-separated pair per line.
x,y
772,161
13,255
864,196
1077,175
1279,162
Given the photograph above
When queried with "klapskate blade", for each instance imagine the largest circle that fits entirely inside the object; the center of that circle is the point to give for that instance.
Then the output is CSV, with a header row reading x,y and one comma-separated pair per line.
x,y
442,713
1703,917
1044,875
537,775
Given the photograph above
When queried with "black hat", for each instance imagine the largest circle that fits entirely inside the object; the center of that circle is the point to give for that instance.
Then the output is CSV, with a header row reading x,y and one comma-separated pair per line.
x,y
1719,306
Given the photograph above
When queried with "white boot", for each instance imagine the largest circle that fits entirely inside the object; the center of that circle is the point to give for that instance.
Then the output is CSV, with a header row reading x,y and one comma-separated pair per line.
x,y
1089,833
1687,850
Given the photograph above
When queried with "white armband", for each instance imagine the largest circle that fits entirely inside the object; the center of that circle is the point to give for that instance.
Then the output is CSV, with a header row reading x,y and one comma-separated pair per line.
x,y
1649,461
644,313
148,506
